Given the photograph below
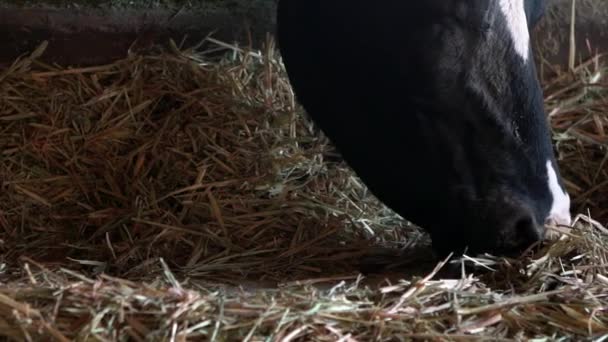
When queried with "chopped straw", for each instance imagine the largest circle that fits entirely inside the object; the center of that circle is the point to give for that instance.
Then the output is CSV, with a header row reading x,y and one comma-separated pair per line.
x,y
177,196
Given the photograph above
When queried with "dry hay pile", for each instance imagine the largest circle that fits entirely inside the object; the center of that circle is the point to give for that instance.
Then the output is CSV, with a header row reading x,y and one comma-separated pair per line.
x,y
137,197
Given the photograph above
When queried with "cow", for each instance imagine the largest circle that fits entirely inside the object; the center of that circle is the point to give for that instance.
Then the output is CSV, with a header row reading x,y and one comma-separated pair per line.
x,y
437,107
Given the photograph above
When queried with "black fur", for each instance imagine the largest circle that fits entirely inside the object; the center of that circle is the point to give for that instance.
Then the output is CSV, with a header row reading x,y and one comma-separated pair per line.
x,y
430,105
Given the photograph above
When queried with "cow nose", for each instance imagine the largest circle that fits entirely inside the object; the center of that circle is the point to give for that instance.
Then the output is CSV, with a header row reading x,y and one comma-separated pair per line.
x,y
562,218
520,231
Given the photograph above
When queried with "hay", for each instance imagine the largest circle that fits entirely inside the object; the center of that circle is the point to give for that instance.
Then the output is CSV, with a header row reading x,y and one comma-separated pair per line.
x,y
199,181
577,105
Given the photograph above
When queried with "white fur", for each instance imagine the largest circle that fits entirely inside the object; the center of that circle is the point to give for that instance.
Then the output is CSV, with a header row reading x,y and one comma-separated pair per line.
x,y
560,208
515,14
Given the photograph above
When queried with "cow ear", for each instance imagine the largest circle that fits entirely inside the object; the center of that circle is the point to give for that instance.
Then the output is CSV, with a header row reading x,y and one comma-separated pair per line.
x,y
535,10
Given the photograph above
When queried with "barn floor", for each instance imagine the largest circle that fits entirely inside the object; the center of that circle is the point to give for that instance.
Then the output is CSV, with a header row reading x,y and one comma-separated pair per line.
x,y
175,196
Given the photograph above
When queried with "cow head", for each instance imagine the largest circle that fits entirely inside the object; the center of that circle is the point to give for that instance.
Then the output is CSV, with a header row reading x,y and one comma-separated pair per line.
x,y
437,106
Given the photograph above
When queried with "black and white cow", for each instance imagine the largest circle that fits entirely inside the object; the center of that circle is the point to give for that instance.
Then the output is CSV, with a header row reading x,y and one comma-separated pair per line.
x,y
436,105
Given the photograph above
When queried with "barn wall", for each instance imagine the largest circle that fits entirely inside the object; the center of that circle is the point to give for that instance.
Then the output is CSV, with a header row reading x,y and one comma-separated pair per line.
x,y
98,31
82,33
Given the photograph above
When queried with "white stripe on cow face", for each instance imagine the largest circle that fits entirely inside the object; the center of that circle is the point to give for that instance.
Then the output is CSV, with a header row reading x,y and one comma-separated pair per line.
x,y
515,15
560,209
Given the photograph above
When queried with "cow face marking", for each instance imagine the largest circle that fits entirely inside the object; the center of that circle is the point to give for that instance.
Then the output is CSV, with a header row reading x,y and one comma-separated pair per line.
x,y
560,207
515,15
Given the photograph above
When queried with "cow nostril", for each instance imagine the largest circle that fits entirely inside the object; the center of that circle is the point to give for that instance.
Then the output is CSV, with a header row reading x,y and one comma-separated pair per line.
x,y
524,226
522,232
